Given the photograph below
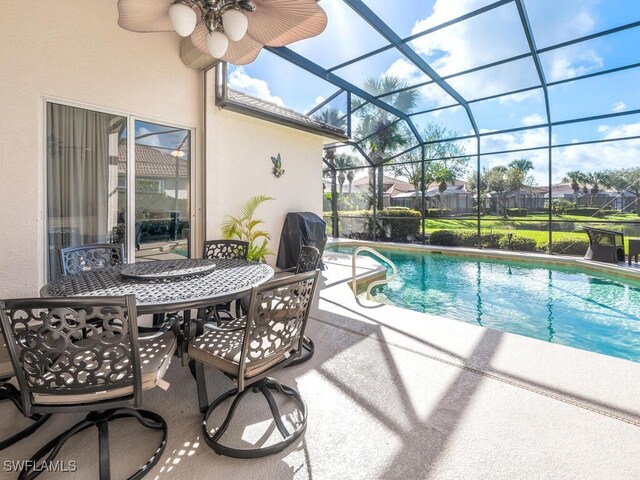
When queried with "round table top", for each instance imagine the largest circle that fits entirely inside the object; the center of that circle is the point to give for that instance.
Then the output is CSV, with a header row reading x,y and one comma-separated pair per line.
x,y
230,279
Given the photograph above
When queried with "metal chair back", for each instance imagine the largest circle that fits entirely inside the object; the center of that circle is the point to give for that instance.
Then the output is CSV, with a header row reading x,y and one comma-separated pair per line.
x,y
308,260
73,346
74,260
276,321
226,249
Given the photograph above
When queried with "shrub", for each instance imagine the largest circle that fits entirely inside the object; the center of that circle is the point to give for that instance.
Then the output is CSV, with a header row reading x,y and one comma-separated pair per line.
x,y
445,238
467,237
517,243
559,206
398,223
568,247
437,212
516,212
585,211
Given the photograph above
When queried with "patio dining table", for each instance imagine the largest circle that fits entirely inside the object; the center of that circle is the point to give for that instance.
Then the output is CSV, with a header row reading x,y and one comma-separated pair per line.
x,y
167,286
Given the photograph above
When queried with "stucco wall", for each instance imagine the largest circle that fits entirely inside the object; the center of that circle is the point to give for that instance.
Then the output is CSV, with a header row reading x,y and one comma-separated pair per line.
x,y
73,50
239,166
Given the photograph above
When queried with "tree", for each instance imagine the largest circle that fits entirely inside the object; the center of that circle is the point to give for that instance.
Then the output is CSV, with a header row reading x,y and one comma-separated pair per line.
x,y
519,177
576,177
333,117
496,181
342,162
627,180
381,132
595,179
438,167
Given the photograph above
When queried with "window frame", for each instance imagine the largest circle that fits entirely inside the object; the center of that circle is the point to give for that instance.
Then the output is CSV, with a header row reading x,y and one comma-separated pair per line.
x,y
131,118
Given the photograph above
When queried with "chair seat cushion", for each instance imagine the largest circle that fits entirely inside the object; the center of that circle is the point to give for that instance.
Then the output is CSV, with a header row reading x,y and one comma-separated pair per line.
x,y
156,353
6,369
222,350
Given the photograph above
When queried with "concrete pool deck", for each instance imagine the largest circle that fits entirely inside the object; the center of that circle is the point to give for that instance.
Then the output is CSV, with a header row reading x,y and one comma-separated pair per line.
x,y
396,394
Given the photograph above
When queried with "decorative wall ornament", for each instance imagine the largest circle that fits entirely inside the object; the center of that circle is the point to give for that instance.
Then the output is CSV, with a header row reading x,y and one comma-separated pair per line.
x,y
277,169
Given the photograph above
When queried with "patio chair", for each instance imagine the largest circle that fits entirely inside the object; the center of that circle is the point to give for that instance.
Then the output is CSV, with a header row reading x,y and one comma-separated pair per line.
x,y
11,393
74,260
251,348
605,245
83,354
223,249
308,261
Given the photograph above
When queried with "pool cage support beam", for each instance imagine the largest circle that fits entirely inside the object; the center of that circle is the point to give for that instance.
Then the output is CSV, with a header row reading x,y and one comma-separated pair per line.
x,y
335,227
324,103
391,36
383,29
528,31
315,69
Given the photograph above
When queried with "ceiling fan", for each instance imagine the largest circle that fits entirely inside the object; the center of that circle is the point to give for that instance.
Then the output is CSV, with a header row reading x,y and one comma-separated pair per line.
x,y
230,30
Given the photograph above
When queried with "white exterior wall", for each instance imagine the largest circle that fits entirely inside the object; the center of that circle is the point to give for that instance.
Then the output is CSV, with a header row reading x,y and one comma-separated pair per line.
x,y
75,51
239,166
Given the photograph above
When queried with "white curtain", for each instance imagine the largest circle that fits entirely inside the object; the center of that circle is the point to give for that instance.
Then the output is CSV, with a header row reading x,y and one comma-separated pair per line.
x,y
82,177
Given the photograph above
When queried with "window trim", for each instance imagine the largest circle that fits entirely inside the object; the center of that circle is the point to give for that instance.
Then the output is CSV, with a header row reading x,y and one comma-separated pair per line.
x,y
132,117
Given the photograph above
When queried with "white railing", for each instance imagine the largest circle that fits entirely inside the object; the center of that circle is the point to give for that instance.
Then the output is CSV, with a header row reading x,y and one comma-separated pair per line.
x,y
372,285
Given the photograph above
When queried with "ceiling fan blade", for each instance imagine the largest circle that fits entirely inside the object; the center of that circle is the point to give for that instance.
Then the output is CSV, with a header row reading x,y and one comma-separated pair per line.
x,y
144,16
280,22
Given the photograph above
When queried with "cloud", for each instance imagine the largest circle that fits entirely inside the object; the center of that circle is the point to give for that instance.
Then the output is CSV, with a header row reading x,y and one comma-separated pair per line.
x,y
586,158
533,119
497,35
619,107
240,80
571,62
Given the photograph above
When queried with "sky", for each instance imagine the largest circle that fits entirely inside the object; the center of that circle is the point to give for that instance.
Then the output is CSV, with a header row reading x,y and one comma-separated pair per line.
x,y
489,37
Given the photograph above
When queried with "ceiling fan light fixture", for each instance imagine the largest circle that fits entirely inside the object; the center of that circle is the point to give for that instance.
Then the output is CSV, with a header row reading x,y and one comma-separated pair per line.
x,y
217,44
183,18
235,24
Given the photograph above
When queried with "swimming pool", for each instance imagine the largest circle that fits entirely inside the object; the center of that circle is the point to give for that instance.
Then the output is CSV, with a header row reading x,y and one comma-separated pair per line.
x,y
555,304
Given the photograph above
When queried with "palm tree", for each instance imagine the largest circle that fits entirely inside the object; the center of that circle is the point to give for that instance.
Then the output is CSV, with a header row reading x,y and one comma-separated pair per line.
x,y
383,133
521,167
342,162
576,177
595,179
332,116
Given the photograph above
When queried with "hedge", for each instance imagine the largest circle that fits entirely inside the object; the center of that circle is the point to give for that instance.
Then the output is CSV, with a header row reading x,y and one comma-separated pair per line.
x,y
516,212
437,212
590,211
568,247
400,224
517,243
500,240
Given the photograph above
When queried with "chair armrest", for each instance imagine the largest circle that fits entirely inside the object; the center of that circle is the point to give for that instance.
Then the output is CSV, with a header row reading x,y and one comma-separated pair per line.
x,y
171,323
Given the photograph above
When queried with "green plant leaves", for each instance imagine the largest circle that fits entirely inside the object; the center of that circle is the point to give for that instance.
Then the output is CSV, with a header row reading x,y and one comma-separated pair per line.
x,y
244,228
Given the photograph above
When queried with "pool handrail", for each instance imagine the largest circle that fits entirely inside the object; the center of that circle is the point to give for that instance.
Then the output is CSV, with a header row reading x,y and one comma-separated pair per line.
x,y
394,270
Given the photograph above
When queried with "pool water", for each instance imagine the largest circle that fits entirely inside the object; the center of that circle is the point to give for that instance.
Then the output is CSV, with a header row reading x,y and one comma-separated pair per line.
x,y
559,305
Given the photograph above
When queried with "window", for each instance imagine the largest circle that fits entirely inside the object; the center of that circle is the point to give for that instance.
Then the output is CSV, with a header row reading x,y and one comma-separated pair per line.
x,y
88,165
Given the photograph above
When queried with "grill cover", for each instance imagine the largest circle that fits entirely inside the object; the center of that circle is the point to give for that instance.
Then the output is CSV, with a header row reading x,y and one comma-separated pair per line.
x,y
300,228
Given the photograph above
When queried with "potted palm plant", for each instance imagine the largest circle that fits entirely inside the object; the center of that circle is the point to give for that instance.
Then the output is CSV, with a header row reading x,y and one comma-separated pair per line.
x,y
247,228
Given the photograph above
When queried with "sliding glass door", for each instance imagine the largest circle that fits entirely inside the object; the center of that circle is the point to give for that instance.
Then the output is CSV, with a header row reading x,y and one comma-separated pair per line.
x,y
89,160
162,160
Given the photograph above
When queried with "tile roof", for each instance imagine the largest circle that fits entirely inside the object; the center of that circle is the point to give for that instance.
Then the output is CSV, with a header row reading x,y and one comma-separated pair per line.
x,y
277,111
152,162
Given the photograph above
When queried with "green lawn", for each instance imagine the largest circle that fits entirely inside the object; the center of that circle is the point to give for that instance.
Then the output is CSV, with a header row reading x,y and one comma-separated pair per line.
x,y
530,222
